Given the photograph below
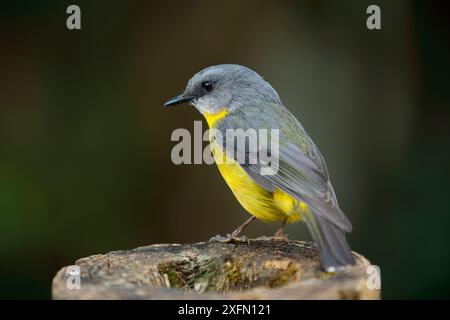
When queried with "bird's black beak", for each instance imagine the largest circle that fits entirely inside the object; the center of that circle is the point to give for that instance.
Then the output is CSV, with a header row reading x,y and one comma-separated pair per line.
x,y
178,100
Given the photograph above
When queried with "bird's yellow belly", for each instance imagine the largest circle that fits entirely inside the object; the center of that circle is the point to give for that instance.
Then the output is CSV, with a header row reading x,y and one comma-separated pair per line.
x,y
264,205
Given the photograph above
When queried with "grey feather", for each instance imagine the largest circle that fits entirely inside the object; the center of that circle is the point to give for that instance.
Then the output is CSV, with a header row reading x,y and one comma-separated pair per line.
x,y
333,248
302,170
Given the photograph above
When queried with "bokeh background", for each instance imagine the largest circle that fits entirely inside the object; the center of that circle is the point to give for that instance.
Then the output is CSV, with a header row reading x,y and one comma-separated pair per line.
x,y
85,143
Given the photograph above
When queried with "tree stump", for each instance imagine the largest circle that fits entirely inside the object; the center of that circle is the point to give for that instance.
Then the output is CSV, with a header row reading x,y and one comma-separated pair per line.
x,y
259,269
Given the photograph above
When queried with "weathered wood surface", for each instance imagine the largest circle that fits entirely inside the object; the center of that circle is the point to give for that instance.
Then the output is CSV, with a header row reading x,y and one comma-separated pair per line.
x,y
260,269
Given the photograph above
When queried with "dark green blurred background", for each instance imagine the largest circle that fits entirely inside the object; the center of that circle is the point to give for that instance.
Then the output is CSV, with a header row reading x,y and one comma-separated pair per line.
x,y
85,143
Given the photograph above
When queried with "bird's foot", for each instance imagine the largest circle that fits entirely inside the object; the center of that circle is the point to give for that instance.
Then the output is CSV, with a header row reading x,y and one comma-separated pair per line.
x,y
278,236
230,238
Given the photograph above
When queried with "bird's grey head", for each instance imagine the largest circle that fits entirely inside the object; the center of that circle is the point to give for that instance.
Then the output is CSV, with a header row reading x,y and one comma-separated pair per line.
x,y
227,86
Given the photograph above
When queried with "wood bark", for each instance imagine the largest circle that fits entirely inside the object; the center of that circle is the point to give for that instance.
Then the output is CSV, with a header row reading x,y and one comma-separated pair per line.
x,y
257,269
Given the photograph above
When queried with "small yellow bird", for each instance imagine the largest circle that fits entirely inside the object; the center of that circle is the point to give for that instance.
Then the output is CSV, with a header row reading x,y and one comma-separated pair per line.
x,y
233,97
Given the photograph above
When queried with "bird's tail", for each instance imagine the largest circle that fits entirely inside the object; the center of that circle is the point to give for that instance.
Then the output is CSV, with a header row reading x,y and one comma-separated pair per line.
x,y
334,250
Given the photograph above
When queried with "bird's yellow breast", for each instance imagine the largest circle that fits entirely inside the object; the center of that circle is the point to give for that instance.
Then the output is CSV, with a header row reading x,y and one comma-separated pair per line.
x,y
264,205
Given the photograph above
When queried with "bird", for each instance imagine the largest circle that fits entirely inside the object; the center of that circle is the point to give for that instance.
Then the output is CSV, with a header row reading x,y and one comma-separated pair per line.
x,y
233,97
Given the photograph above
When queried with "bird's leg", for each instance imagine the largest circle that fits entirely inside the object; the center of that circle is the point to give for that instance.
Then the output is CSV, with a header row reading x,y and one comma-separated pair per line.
x,y
236,233
234,236
280,232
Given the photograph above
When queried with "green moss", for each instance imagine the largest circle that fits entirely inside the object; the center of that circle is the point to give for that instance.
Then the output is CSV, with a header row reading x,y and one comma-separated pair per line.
x,y
174,272
326,275
232,277
282,277
206,275
233,273
185,274
223,274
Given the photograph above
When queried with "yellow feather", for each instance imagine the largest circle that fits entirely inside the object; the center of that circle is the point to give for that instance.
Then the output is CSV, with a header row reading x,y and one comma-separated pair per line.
x,y
212,118
264,205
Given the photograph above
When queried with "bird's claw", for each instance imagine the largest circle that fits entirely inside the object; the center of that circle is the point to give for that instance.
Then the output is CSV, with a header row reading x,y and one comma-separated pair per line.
x,y
230,238
276,237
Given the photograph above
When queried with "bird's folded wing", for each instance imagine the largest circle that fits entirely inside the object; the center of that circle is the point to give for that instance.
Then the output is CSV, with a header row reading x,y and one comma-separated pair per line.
x,y
301,171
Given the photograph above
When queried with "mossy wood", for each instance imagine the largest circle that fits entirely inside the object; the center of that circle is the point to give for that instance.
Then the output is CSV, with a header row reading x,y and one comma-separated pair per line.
x,y
259,269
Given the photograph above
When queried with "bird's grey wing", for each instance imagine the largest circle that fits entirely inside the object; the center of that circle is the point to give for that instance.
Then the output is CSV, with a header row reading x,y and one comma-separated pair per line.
x,y
302,171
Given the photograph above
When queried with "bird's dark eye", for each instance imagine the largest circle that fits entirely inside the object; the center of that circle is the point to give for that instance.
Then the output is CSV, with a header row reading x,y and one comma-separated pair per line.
x,y
207,85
